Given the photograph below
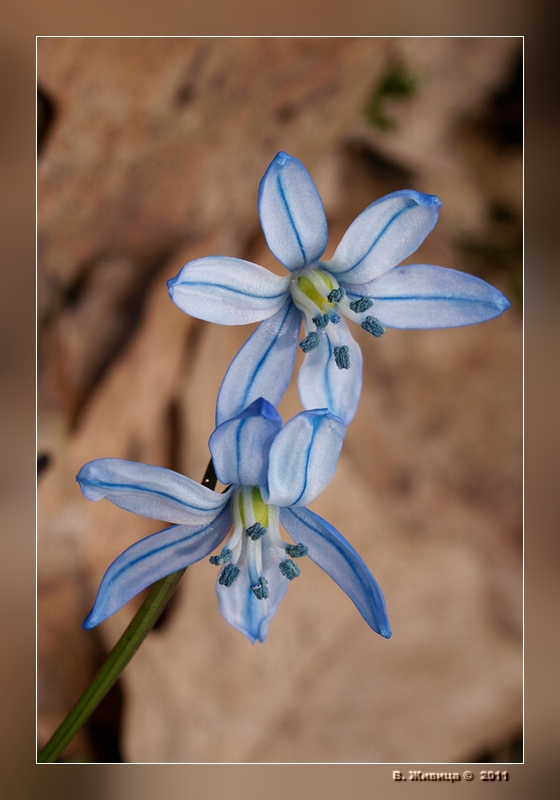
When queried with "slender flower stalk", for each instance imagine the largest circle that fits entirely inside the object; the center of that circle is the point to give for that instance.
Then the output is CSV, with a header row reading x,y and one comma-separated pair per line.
x,y
109,673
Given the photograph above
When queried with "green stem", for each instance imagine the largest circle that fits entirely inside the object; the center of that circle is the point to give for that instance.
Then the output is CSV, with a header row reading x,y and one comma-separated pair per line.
x,y
142,623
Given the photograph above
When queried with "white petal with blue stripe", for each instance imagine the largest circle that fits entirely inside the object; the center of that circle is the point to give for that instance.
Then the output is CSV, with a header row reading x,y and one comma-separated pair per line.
x,y
291,213
228,291
330,551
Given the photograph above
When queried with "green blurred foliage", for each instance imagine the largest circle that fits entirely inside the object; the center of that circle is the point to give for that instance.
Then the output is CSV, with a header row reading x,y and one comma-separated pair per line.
x,y
396,84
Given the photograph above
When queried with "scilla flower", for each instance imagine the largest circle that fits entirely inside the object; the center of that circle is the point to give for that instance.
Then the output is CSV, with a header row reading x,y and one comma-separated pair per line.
x,y
274,473
362,282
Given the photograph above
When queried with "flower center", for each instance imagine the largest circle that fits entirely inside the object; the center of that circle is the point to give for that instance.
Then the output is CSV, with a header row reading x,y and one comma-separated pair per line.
x,y
255,523
316,293
319,297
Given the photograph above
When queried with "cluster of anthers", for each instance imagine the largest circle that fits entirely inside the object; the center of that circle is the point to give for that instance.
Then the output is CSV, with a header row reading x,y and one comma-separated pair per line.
x,y
253,521
319,296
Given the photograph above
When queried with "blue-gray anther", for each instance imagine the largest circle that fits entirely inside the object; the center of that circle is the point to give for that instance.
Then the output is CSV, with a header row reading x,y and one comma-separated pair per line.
x,y
336,295
361,305
255,531
288,569
320,321
296,550
229,574
261,589
332,317
223,558
342,357
310,342
372,325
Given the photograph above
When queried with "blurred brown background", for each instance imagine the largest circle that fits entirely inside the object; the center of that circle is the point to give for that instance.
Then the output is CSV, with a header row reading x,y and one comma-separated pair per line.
x,y
150,154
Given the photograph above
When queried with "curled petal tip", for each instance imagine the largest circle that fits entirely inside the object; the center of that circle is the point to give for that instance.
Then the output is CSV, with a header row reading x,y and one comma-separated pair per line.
x,y
502,302
260,408
385,630
432,201
282,157
90,622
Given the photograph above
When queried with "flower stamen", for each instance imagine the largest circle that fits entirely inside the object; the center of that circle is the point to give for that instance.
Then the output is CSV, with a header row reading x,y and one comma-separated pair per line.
x,y
260,589
229,574
310,342
296,550
373,325
336,295
223,558
321,321
361,305
342,357
255,531
288,569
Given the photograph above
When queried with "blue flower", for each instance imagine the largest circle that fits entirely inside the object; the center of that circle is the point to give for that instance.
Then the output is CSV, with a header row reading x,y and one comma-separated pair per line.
x,y
362,282
273,472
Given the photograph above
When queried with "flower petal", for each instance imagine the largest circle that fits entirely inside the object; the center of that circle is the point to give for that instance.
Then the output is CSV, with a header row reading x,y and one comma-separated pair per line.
x,y
291,212
153,558
239,606
330,551
241,445
303,457
152,492
322,384
228,291
387,232
264,365
424,296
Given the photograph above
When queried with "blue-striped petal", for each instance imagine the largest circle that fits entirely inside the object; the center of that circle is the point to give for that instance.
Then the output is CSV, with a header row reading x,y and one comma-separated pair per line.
x,y
303,457
291,212
153,492
228,291
240,446
322,384
330,551
153,558
424,296
264,365
388,231
239,606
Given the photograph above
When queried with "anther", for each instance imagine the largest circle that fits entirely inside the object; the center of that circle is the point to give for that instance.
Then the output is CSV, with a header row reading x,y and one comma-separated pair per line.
x,y
255,531
372,325
336,295
361,305
260,590
332,317
310,342
223,558
321,321
229,574
342,357
288,569
296,550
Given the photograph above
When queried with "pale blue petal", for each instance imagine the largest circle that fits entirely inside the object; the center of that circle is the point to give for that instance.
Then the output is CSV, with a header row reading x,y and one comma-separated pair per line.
x,y
303,457
264,365
153,492
424,296
291,212
228,291
239,606
322,384
388,231
241,445
330,551
153,558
